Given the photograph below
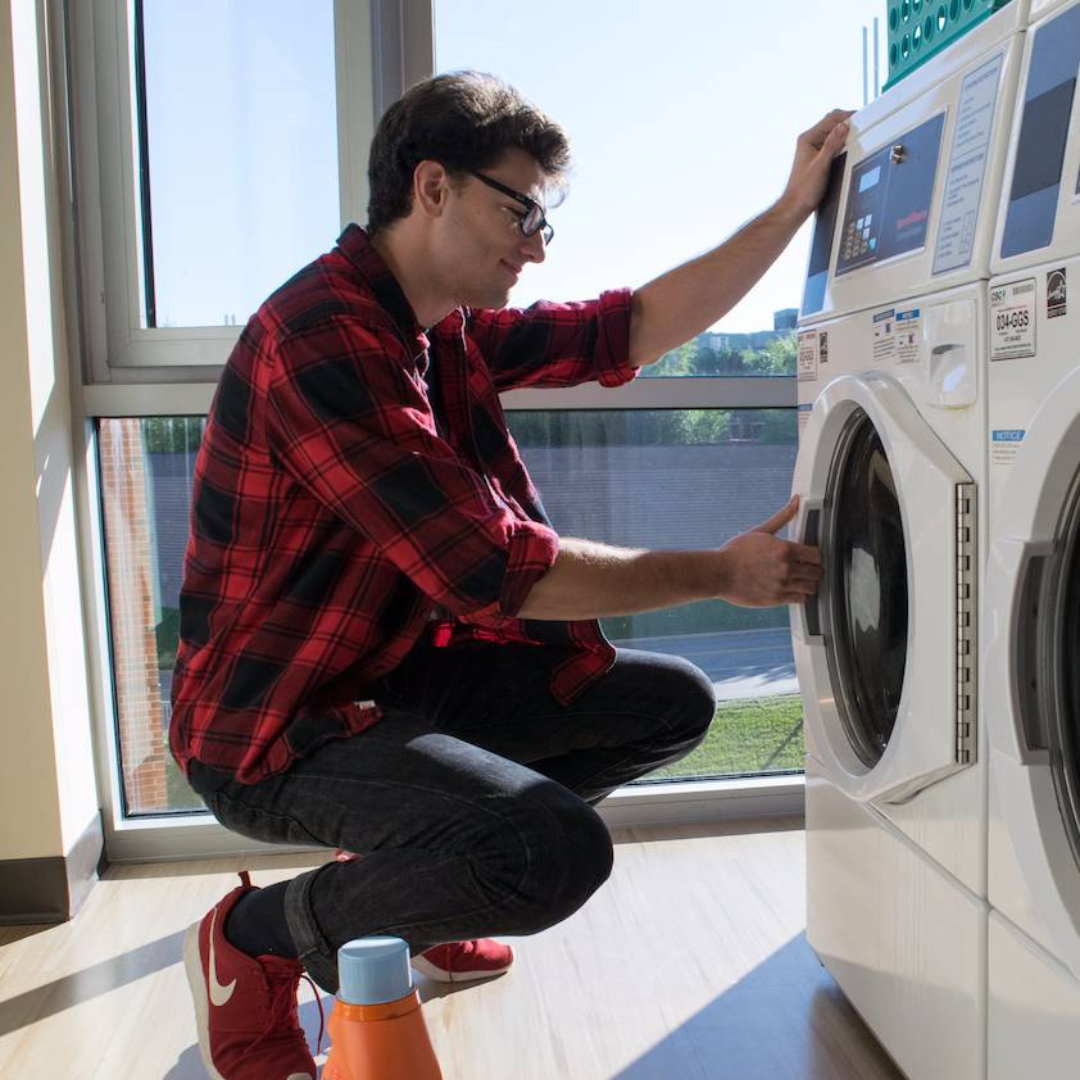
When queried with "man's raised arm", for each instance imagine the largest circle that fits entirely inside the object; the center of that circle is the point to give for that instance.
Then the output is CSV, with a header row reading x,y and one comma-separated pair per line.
x,y
682,303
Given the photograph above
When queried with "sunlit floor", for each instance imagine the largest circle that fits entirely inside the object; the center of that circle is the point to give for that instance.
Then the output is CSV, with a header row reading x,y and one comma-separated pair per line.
x,y
690,964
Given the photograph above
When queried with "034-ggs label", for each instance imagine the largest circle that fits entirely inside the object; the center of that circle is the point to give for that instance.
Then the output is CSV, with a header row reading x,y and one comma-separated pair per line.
x,y
1012,320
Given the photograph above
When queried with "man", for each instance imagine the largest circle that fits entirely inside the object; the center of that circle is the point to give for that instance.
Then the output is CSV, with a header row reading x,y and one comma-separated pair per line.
x,y
385,648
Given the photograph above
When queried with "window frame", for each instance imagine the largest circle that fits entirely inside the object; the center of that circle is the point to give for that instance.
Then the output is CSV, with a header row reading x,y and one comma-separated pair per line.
x,y
125,370
117,348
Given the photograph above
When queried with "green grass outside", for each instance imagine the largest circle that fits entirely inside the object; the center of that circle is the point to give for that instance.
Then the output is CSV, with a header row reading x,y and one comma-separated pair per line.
x,y
179,795
756,735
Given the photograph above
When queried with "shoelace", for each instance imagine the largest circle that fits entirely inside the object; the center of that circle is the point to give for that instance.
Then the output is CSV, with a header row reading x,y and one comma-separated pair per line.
x,y
283,1015
322,1018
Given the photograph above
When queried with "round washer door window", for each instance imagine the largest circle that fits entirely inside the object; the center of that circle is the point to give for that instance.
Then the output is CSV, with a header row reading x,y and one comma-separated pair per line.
x,y
1059,639
866,586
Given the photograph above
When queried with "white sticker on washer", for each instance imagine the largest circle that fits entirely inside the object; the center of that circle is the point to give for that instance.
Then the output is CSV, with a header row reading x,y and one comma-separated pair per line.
x,y
967,167
885,336
808,356
908,332
1012,320
1005,444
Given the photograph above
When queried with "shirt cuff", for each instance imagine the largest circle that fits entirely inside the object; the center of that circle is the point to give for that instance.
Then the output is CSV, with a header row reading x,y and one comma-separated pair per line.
x,y
612,358
531,555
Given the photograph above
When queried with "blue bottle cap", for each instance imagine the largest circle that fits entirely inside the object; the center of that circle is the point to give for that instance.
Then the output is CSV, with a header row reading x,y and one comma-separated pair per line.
x,y
373,970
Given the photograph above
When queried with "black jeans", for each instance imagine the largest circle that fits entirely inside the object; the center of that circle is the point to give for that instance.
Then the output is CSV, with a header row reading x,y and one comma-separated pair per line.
x,y
470,799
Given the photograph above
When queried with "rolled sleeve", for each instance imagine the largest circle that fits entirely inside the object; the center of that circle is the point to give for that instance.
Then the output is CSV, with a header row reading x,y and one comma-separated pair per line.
x,y
533,548
555,345
612,359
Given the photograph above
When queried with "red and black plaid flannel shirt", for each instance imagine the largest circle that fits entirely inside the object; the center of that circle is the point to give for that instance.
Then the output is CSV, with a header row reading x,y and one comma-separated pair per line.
x,y
333,516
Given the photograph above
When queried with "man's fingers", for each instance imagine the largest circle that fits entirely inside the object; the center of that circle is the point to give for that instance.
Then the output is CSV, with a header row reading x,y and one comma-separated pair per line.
x,y
834,116
837,137
805,554
779,519
828,124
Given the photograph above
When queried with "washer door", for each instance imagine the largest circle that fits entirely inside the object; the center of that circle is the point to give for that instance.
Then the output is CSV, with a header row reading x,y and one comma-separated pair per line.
x,y
883,652
1033,662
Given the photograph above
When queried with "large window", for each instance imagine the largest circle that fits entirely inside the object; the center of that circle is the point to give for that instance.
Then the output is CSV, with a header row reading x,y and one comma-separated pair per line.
x,y
220,146
239,171
662,479
202,186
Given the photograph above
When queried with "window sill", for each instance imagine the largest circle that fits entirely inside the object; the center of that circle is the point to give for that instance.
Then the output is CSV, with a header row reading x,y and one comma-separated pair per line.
x,y
199,836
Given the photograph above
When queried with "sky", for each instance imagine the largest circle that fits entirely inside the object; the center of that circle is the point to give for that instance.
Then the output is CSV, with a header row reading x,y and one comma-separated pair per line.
x,y
682,128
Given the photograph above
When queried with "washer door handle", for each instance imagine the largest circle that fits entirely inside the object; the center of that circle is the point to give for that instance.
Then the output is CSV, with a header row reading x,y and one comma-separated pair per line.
x,y
811,608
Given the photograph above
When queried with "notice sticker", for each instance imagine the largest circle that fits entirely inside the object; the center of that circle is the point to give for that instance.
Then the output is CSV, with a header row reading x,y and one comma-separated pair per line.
x,y
885,336
908,333
1005,444
1055,293
1012,320
967,167
808,356
804,418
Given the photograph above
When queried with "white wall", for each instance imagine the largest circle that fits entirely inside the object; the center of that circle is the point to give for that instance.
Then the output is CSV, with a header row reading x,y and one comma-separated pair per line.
x,y
48,793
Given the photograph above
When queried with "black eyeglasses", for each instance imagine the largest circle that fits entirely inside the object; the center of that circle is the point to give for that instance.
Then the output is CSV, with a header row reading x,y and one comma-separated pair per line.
x,y
533,220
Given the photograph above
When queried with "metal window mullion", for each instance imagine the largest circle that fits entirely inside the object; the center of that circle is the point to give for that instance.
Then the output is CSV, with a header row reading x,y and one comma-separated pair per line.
x,y
84,234
387,54
192,398
143,213
120,231
354,51
418,40
403,37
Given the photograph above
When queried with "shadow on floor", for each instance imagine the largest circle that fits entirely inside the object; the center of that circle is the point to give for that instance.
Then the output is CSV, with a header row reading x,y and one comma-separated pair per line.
x,y
785,1020
71,990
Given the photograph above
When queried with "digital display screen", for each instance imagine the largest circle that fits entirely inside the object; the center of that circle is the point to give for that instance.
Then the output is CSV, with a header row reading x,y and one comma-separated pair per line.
x,y
869,179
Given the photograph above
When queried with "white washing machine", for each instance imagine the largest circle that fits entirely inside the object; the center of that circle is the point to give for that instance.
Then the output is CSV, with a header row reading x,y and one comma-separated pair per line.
x,y
1031,684
893,450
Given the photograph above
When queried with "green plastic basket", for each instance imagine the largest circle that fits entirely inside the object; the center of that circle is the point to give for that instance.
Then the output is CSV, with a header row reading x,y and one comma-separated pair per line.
x,y
920,29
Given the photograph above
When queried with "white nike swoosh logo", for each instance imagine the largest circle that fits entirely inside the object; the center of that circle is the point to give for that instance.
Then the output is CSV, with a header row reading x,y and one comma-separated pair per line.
x,y
219,995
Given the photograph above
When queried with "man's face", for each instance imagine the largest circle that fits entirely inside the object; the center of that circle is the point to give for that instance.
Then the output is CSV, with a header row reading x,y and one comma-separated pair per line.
x,y
482,250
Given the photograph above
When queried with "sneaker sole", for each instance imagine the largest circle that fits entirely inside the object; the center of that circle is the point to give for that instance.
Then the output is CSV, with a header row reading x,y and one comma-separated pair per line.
x,y
201,999
428,969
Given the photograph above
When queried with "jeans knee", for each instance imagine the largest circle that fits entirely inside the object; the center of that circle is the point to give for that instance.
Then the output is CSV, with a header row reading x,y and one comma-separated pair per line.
x,y
571,856
694,700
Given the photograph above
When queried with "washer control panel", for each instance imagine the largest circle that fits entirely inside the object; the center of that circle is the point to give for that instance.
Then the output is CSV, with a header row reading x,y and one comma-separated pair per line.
x,y
889,198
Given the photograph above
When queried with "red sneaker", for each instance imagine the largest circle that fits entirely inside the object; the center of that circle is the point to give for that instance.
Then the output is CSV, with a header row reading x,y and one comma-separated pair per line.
x,y
464,961
245,1007
457,961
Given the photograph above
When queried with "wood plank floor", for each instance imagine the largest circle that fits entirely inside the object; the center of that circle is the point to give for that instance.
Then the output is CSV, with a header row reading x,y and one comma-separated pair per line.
x,y
690,964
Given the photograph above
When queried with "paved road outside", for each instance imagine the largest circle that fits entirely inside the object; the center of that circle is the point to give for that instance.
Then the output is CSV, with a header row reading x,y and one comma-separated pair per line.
x,y
741,663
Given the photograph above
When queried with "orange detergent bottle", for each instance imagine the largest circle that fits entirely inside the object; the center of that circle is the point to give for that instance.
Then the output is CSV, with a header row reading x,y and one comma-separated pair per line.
x,y
377,1030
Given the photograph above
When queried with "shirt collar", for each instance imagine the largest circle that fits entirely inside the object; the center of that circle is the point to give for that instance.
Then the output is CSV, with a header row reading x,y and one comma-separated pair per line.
x,y
355,244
